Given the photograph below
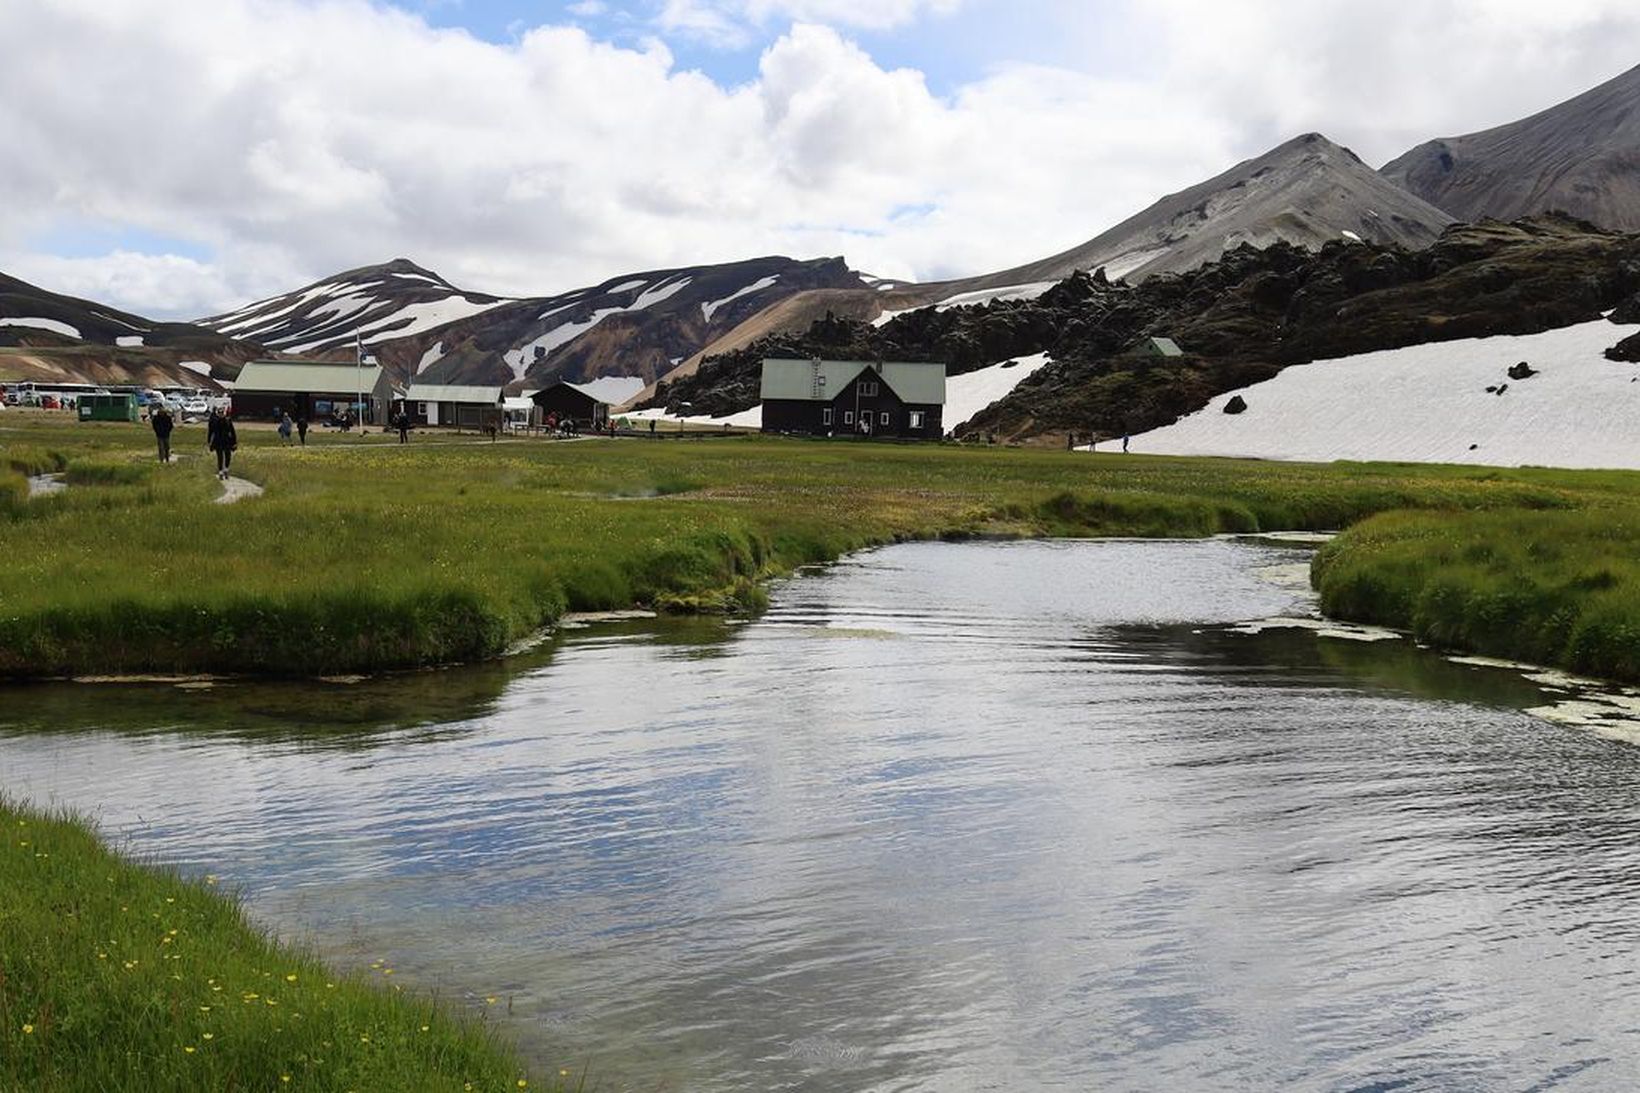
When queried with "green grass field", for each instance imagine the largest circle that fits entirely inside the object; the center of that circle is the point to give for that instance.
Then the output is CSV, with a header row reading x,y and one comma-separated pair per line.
x,y
115,976
364,555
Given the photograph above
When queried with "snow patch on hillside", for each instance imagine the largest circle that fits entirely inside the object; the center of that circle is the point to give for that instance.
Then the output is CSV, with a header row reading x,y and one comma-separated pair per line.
x,y
429,357
663,292
971,392
627,286
1124,264
744,419
128,341
991,295
426,316
708,310
202,367
51,325
1429,403
520,359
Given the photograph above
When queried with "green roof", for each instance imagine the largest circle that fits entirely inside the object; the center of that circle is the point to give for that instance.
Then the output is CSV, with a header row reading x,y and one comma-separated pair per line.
x,y
916,382
310,377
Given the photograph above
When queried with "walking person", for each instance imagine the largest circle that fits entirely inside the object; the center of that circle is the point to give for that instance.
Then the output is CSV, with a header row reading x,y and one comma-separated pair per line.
x,y
162,424
1124,442
301,429
221,438
402,421
284,427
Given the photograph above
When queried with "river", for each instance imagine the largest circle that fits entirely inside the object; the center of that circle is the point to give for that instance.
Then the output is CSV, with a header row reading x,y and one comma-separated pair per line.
x,y
1019,816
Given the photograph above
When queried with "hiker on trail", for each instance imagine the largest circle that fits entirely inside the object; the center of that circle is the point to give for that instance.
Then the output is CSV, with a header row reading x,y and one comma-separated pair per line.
x,y
161,421
284,427
652,426
301,429
401,421
1124,442
221,438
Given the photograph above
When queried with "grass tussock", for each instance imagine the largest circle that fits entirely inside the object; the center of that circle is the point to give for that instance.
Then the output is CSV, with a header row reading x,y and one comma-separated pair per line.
x,y
1557,588
119,976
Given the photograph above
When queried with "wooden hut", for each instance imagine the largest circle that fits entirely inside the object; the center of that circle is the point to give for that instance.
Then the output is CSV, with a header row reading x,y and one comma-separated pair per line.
x,y
315,390
902,399
573,402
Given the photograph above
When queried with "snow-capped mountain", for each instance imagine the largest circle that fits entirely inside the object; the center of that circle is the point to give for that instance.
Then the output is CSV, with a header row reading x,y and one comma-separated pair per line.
x,y
419,325
637,325
1580,157
392,300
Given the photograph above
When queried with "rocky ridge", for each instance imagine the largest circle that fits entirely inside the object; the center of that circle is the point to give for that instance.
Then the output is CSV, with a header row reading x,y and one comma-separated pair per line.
x,y
1240,320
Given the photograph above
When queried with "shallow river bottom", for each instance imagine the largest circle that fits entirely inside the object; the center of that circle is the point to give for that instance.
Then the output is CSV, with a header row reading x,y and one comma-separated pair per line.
x,y
987,816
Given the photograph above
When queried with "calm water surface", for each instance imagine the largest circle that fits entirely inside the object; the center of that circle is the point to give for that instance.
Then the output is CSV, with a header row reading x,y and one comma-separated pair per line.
x,y
996,816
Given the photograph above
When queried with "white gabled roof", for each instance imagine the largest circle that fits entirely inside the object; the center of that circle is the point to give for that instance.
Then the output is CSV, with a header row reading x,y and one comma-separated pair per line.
x,y
916,382
453,392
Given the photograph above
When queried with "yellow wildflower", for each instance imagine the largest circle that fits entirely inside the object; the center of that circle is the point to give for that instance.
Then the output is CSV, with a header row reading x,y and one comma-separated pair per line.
x,y
291,978
28,1030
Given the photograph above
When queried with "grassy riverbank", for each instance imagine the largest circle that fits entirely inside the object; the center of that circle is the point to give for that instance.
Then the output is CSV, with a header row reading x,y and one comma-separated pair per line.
x,y
119,976
365,555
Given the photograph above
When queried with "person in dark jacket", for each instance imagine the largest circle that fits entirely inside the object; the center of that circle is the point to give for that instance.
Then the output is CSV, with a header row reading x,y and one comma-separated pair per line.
x,y
221,438
161,420
301,428
401,421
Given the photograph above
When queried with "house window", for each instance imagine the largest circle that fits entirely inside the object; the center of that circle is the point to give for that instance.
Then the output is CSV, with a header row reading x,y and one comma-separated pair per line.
x,y
916,419
421,409
825,416
868,389
884,420
848,417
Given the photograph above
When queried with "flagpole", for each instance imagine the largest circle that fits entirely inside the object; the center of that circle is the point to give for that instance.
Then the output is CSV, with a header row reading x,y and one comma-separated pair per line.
x,y
358,375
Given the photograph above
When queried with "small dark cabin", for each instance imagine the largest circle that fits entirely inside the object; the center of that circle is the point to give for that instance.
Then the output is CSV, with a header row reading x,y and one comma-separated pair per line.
x,y
902,399
570,400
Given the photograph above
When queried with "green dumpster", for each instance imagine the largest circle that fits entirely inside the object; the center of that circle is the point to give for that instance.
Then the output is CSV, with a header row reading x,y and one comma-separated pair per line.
x,y
108,407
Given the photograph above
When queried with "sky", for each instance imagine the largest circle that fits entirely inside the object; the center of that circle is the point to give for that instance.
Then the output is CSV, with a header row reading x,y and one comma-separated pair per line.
x,y
179,158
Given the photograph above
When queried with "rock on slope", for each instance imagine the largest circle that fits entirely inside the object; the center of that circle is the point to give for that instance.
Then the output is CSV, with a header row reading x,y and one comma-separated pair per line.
x,y
1581,157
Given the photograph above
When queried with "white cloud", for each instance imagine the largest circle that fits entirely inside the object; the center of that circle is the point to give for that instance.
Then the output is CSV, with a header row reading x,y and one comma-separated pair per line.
x,y
291,139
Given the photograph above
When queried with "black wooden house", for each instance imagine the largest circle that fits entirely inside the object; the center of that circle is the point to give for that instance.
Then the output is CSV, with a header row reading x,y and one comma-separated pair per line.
x,y
902,399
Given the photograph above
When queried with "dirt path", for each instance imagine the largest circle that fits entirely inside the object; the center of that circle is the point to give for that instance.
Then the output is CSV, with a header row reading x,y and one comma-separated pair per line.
x,y
237,489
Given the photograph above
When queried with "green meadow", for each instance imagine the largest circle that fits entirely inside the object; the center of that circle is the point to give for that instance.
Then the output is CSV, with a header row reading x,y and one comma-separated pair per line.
x,y
364,555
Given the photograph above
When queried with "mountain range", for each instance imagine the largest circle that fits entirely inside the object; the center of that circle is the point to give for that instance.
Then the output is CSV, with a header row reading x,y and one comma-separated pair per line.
x,y
1582,156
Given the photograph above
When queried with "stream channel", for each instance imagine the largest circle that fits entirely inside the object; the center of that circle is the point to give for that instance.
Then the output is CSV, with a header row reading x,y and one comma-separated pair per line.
x,y
1015,816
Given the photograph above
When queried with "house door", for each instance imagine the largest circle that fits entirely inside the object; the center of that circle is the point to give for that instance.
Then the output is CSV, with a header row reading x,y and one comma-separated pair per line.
x,y
865,423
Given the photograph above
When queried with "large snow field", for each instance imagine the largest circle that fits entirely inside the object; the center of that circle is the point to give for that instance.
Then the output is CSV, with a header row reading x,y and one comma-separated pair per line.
x,y
1429,404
